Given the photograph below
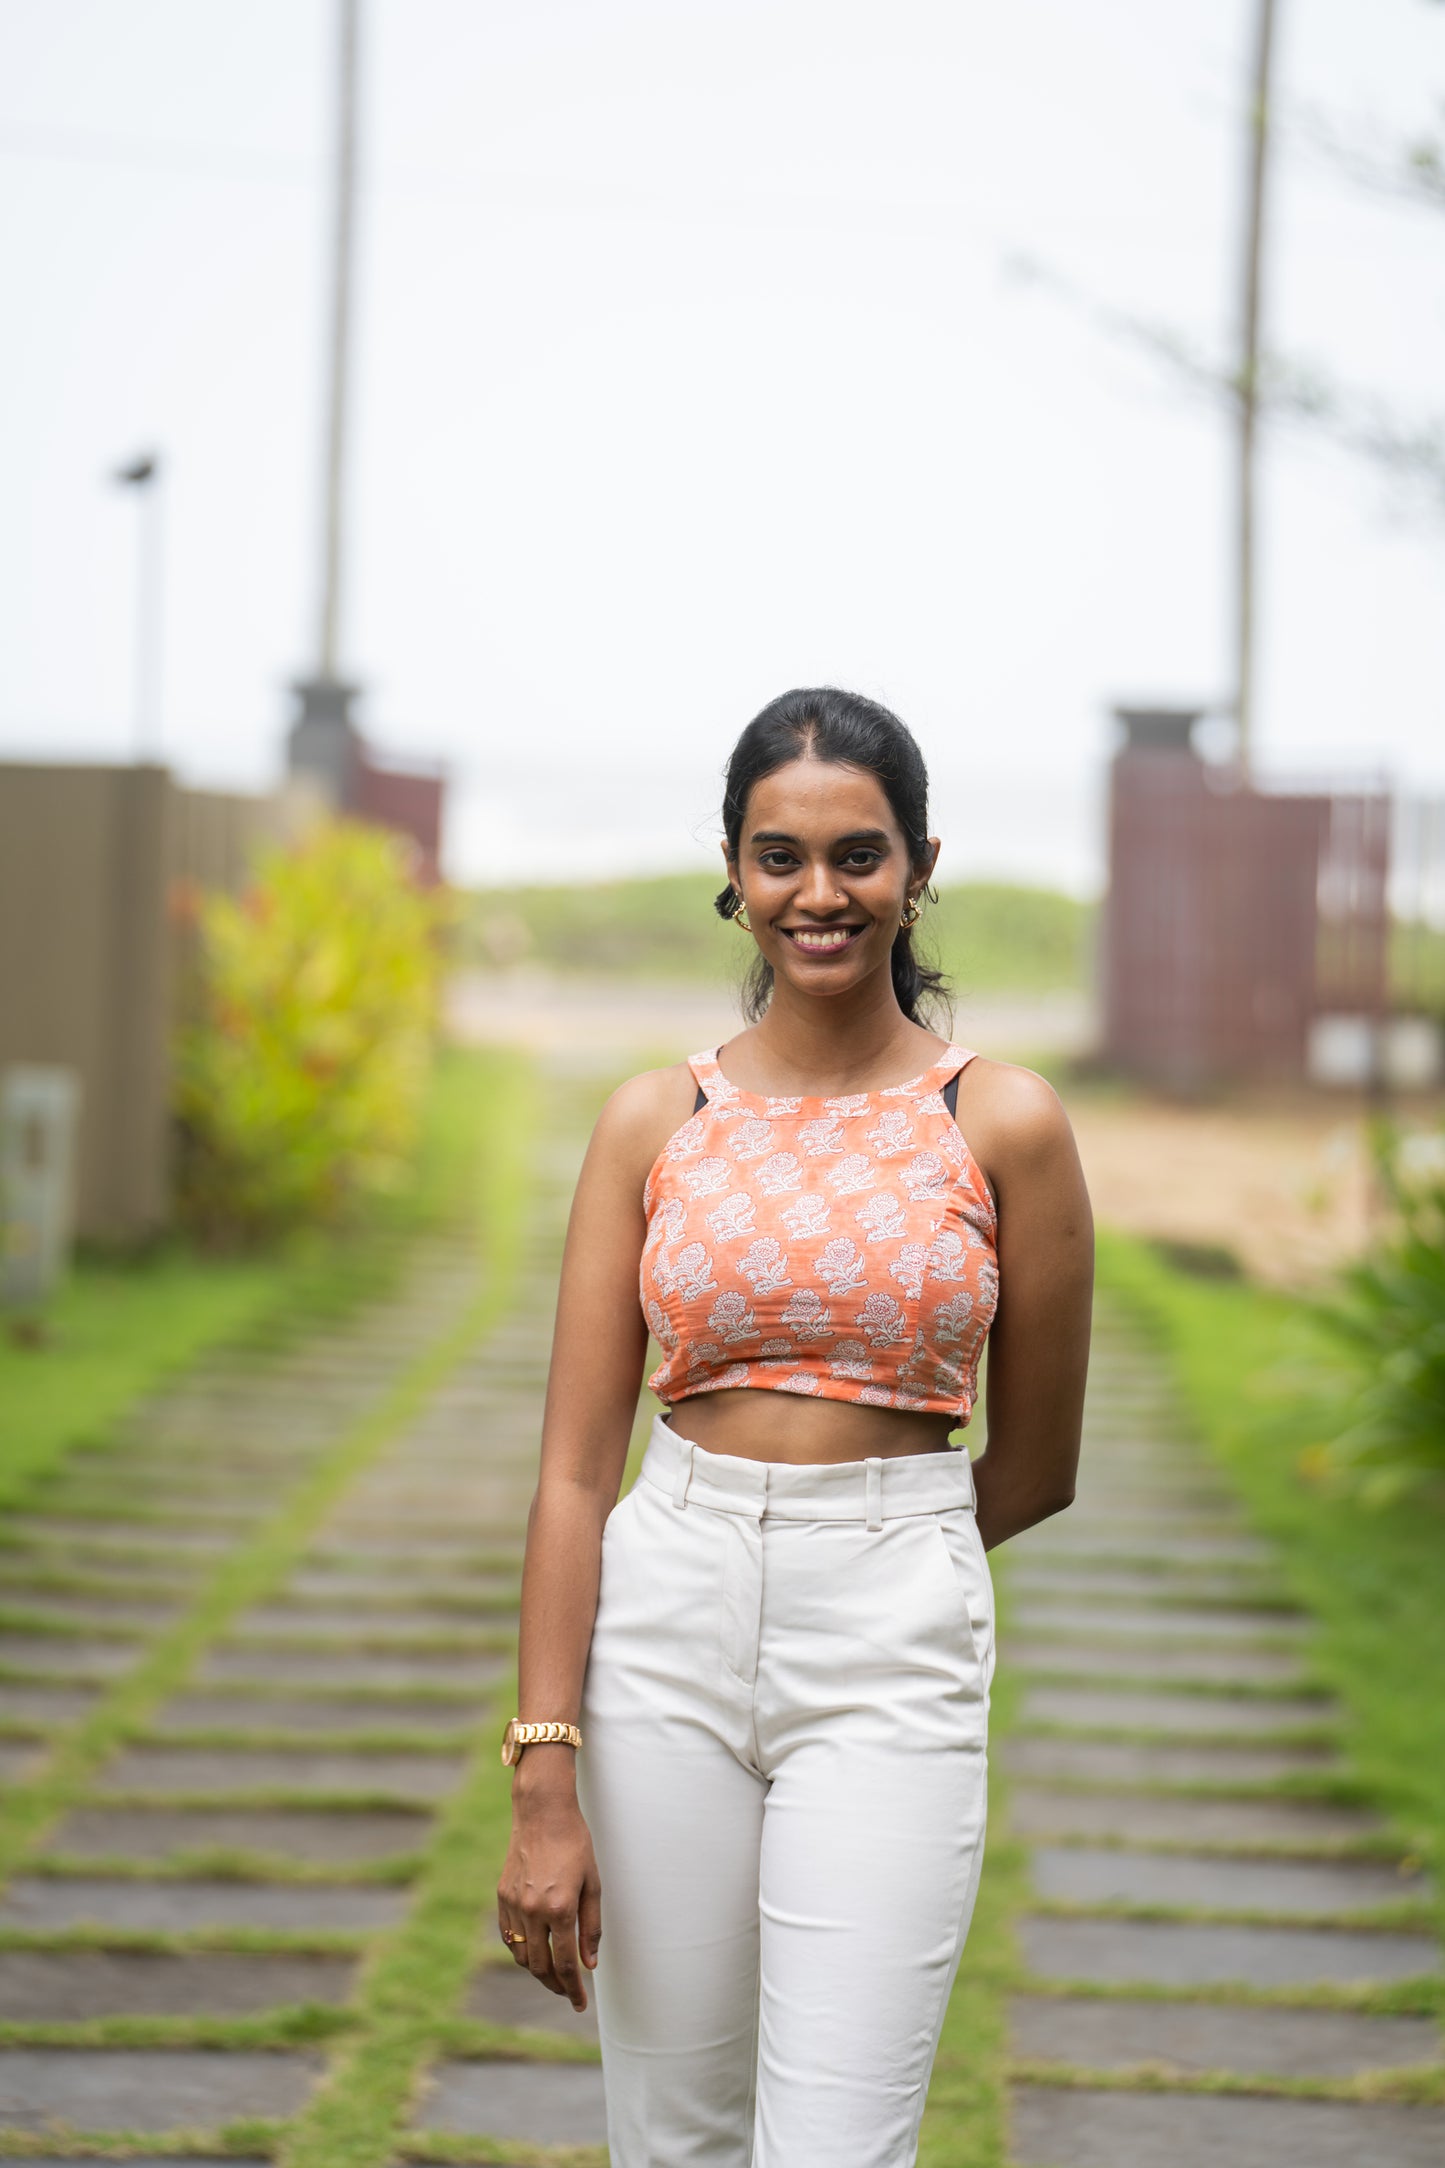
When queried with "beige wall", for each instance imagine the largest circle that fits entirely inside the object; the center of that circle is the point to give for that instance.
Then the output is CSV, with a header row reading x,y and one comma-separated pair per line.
x,y
89,954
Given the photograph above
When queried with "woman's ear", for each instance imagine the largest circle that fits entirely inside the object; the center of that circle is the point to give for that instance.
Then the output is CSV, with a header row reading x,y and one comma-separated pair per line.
x,y
935,845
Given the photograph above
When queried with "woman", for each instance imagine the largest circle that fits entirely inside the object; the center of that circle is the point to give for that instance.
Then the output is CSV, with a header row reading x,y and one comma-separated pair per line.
x,y
779,1645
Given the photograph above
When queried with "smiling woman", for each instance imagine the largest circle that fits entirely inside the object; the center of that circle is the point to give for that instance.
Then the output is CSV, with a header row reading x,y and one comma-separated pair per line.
x,y
773,1659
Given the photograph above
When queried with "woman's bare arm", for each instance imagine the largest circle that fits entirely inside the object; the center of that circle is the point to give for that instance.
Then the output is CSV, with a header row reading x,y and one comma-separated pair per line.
x,y
1038,1350
549,1885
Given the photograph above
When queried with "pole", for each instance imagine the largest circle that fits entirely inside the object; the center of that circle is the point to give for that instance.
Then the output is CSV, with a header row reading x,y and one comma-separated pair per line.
x,y
343,250
1248,382
143,477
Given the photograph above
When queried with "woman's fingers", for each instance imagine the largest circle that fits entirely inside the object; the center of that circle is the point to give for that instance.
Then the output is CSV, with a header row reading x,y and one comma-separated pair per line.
x,y
589,1919
514,1935
565,1966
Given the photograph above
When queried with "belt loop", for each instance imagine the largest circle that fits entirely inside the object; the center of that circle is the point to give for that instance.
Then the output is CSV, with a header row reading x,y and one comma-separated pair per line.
x,y
972,1486
873,1492
684,1473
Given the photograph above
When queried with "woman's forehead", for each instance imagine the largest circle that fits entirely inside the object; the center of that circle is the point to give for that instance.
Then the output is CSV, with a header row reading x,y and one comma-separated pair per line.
x,y
819,793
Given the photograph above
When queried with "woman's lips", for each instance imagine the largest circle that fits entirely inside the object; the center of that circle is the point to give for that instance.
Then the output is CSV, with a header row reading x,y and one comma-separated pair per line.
x,y
821,940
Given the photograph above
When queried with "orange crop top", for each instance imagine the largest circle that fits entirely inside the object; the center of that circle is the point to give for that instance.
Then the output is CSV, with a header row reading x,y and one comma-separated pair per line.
x,y
841,1247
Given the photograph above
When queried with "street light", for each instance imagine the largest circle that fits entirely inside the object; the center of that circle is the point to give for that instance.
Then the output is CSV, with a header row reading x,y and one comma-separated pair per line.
x,y
143,475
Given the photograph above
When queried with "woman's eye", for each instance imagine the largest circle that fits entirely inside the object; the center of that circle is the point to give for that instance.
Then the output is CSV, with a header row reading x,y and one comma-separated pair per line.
x,y
775,861
861,861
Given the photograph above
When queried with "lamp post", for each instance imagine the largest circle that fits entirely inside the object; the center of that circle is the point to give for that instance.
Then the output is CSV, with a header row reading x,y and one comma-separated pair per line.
x,y
142,475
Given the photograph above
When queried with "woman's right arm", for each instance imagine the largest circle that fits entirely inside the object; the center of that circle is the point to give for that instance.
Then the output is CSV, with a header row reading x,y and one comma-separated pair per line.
x,y
549,1886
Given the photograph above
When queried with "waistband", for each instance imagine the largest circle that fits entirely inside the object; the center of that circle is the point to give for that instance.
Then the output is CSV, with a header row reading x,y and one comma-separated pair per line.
x,y
871,1491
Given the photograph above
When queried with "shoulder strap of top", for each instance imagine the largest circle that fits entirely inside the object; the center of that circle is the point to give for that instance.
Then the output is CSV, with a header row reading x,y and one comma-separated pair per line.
x,y
705,1069
958,1058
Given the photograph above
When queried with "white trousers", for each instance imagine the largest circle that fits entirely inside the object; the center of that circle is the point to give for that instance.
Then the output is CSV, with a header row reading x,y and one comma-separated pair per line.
x,y
784,1769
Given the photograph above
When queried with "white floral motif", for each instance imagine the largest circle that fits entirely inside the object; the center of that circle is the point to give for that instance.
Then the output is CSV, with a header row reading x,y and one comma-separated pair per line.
x,y
945,1256
778,1174
852,1175
891,1133
659,1325
882,1217
951,1318
708,1177
667,1223
809,1216
688,1139
850,1360
808,1316
822,1136
735,1374
776,1348
907,1268
731,1316
848,1104
837,1266
765,1265
802,1381
876,1396
925,1177
733,1218
706,1355
883,1321
692,1273
752,1138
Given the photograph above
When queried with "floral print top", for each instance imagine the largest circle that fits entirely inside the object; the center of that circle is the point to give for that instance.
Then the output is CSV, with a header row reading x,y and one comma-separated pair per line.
x,y
845,1247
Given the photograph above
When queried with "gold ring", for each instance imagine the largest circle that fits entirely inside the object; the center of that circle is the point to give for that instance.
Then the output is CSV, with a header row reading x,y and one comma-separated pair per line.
x,y
519,1937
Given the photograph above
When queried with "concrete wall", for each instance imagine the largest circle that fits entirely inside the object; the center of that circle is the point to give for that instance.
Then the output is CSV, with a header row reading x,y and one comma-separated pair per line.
x,y
89,953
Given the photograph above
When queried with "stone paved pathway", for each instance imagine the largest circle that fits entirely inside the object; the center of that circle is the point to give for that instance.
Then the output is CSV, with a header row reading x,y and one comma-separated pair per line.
x,y
1213,1922
254,1651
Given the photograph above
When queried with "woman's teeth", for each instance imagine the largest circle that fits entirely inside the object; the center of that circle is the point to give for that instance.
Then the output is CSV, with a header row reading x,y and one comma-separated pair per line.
x,y
834,940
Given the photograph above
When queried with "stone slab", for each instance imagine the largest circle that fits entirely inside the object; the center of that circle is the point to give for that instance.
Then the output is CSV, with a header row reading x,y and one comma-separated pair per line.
x,y
1197,1624
243,1769
19,1760
63,1656
455,1551
508,1995
81,1537
1056,2128
54,1986
1100,1761
138,1613
1217,1665
426,1583
1076,1875
1197,2036
506,2100
359,1667
157,2089
1282,1823
1160,1552
1201,1955
374,1625
1091,1709
311,1834
308,1716
1165,1588
46,1905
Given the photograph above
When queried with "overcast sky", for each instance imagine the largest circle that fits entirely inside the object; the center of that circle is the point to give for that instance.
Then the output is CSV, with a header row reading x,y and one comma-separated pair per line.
x,y
693,362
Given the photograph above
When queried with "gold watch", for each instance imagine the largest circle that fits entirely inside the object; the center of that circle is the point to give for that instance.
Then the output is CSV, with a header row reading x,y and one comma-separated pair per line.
x,y
518,1735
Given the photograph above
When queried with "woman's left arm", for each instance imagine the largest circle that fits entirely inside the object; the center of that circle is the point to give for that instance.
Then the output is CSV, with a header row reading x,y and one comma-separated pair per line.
x,y
1038,1349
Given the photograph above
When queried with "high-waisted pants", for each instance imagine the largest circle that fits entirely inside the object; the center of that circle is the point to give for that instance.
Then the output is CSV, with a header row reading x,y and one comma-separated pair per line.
x,y
784,1770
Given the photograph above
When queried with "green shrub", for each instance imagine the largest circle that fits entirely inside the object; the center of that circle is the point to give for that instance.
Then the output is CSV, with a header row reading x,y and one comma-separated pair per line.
x,y
300,1079
1391,1313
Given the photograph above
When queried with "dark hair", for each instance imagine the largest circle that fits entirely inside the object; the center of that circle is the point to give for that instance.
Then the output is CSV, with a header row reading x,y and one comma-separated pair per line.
x,y
826,724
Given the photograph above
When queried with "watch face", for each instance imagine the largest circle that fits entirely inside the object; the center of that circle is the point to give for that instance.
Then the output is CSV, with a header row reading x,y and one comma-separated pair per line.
x,y
510,1748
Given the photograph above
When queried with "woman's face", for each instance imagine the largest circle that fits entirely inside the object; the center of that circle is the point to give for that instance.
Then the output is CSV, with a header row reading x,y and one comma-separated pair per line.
x,y
824,873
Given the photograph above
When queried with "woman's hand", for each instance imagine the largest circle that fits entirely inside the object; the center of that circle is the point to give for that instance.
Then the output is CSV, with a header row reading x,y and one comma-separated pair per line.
x,y
550,1890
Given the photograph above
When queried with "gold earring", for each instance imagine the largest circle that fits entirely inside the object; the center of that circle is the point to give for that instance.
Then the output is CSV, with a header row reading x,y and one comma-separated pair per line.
x,y
740,917
912,914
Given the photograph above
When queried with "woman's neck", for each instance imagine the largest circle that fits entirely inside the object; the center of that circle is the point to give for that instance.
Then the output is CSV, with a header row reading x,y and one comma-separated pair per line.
x,y
837,1045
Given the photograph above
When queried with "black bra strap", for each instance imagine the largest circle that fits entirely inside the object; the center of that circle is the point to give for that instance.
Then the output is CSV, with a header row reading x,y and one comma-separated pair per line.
x,y
700,1102
950,1094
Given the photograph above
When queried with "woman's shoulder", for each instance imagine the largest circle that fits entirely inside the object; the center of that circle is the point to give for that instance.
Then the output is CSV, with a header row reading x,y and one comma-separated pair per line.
x,y
1012,1115
642,1113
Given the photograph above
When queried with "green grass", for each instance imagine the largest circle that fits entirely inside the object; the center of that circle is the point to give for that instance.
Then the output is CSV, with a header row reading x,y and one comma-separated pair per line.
x,y
119,1327
1262,1388
991,936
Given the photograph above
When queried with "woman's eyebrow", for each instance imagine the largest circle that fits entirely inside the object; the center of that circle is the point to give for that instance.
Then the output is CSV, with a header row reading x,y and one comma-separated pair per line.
x,y
854,835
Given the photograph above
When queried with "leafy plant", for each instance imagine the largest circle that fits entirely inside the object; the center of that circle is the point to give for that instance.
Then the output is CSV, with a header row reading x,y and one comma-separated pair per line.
x,y
300,1077
1391,1312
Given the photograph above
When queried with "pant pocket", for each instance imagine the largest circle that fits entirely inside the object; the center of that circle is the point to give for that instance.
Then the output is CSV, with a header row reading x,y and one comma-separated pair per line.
x,y
962,1546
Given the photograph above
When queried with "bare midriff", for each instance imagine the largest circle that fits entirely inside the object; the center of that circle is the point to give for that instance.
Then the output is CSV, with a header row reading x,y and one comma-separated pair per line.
x,y
752,1424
